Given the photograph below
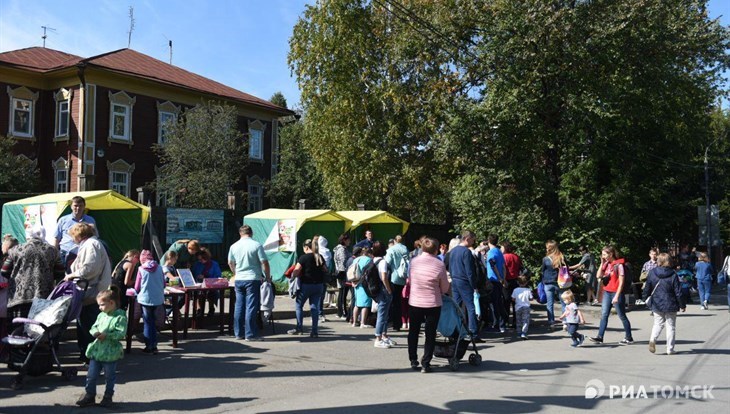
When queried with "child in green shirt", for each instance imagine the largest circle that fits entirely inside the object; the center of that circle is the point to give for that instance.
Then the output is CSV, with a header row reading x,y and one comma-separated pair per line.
x,y
106,350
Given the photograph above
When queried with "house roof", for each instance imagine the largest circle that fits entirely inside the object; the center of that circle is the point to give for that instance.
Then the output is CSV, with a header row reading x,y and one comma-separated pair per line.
x,y
132,63
39,59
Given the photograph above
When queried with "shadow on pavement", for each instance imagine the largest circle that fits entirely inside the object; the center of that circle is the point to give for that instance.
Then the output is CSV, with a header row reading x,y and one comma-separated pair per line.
x,y
521,404
130,407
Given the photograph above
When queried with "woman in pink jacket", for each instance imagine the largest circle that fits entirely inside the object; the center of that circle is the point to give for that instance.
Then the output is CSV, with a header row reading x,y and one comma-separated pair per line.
x,y
428,283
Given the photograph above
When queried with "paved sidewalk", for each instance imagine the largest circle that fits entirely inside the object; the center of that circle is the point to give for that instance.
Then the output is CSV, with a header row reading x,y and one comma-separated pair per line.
x,y
341,372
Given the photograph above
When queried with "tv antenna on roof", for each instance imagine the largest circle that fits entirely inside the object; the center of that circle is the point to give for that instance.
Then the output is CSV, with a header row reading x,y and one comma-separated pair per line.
x,y
45,28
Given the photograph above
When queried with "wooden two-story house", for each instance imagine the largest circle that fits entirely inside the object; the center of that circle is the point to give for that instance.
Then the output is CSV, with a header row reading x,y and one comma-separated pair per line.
x,y
91,123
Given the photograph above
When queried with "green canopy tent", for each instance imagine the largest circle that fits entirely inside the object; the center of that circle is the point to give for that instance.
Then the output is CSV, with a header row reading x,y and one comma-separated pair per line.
x,y
282,233
119,220
383,224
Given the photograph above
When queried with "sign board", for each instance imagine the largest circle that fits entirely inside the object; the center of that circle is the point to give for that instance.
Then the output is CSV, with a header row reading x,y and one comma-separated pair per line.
x,y
714,225
206,226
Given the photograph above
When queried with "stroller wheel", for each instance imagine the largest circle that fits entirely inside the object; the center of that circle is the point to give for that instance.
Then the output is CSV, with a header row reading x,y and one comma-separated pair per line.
x,y
475,359
70,374
454,365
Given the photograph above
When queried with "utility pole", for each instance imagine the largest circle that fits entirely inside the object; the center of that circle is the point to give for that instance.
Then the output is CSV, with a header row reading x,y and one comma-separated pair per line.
x,y
708,214
45,28
169,42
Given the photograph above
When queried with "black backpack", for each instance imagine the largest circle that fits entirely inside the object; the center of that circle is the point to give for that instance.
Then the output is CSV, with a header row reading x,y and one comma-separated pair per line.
x,y
628,278
480,281
371,279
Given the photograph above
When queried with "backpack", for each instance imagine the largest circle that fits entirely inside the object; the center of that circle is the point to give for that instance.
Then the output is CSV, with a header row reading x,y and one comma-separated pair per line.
x,y
371,279
354,274
481,283
628,279
564,279
402,270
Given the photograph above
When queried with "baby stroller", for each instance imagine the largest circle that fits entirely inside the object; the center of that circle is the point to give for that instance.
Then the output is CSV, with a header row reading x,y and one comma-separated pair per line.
x,y
454,340
33,346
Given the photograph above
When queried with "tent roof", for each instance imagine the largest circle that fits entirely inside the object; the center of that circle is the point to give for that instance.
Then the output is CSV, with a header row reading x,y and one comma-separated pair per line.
x,y
302,216
359,217
95,200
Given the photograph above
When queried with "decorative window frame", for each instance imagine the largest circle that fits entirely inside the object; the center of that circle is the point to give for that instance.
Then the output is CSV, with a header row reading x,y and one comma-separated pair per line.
x,y
122,167
255,182
121,99
166,107
261,127
161,197
60,165
62,96
24,94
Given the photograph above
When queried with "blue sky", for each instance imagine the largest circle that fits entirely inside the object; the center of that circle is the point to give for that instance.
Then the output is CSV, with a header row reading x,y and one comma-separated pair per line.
x,y
240,43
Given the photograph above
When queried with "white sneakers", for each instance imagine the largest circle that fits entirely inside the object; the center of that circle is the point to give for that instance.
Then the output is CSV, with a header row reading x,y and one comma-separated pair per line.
x,y
379,343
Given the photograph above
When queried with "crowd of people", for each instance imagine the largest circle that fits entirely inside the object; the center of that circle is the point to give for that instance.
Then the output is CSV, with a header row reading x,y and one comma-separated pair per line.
x,y
488,280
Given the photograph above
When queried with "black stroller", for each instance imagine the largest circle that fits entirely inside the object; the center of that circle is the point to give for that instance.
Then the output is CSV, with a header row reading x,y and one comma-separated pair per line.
x,y
454,340
33,346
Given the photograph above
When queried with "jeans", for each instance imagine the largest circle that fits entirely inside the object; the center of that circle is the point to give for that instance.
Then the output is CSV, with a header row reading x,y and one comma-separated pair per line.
x,y
523,320
620,311
552,292
323,288
84,322
92,376
668,318
728,295
573,332
416,316
496,306
248,298
704,287
313,293
464,293
150,329
396,308
381,325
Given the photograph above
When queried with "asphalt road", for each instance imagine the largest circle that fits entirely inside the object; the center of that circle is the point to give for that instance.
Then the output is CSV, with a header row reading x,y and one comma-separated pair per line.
x,y
341,372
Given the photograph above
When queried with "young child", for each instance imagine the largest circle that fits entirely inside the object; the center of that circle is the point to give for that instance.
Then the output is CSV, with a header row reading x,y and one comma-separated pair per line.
x,y
109,329
522,296
572,317
150,287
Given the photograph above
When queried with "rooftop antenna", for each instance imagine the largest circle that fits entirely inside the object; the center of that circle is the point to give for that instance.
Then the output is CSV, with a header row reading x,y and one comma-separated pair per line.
x,y
45,28
131,26
169,42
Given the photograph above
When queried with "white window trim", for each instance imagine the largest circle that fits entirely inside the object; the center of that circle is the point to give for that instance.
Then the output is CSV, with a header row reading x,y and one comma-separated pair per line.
x,y
166,107
24,94
121,99
121,167
261,127
60,165
63,95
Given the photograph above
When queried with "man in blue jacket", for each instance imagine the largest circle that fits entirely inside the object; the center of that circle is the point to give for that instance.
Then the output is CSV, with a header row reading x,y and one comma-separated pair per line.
x,y
495,273
461,267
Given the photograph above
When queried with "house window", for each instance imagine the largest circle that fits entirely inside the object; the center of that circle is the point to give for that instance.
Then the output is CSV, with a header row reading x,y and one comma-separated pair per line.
x,y
61,184
120,176
165,120
120,183
62,118
256,140
60,175
21,115
22,121
167,114
254,195
120,117
120,122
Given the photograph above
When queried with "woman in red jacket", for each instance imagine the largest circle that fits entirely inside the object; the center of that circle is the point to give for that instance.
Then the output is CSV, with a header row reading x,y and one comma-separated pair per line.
x,y
612,268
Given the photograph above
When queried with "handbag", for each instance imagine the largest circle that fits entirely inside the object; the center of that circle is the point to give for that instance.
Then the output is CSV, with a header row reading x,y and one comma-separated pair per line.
x,y
564,279
647,302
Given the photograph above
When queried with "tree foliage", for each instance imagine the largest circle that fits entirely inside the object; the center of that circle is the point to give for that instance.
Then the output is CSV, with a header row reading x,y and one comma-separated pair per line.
x,y
298,178
581,121
278,99
19,174
203,157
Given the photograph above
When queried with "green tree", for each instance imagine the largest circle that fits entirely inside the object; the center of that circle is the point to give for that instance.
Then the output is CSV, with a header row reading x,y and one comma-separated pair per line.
x,y
297,178
278,99
19,174
204,156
